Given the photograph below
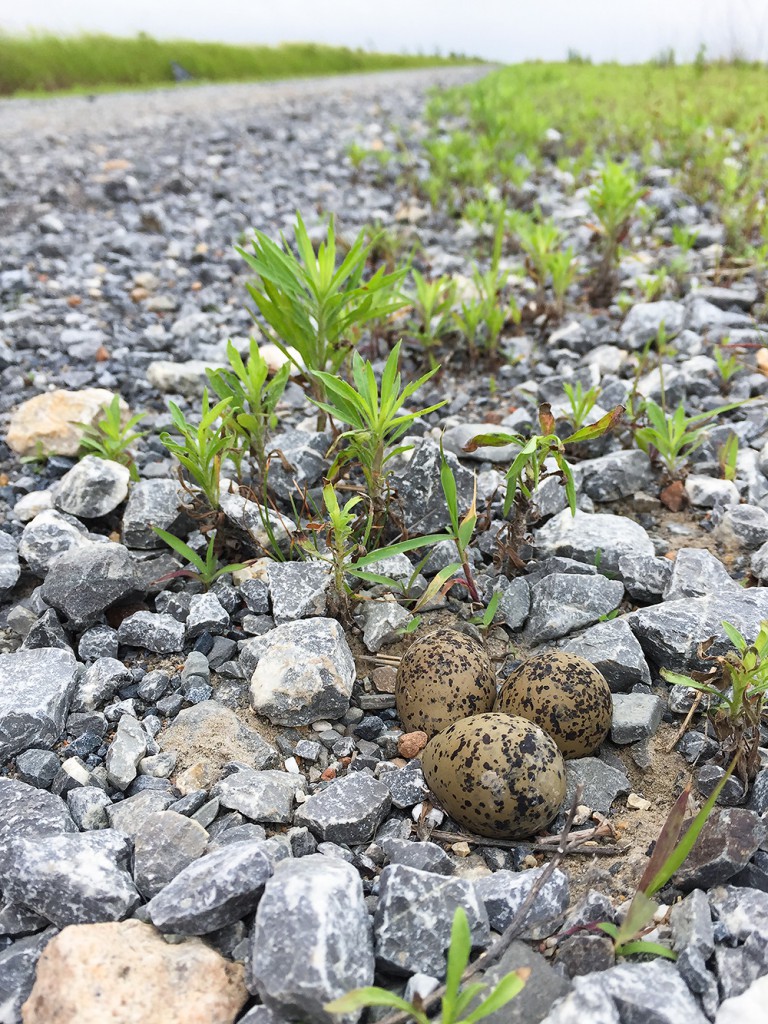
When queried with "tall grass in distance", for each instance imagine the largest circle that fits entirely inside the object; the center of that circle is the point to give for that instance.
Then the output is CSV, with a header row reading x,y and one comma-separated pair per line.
x,y
43,62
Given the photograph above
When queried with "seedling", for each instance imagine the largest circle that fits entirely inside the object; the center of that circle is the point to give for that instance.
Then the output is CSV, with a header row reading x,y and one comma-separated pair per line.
x,y
674,437
582,402
613,200
727,456
432,301
202,447
110,438
457,997
207,569
736,684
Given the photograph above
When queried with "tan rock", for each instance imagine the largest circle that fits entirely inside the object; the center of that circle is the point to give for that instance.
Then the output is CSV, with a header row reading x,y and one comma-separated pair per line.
x,y
411,744
125,972
47,422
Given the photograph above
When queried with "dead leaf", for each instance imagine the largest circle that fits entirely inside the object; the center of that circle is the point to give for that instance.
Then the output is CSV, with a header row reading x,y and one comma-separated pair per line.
x,y
674,496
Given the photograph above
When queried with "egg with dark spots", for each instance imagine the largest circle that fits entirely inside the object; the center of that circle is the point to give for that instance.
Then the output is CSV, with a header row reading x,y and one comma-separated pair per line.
x,y
442,678
565,695
497,775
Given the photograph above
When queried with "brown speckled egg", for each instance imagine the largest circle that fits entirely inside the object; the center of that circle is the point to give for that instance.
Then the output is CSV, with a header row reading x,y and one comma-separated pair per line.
x,y
496,775
443,677
565,695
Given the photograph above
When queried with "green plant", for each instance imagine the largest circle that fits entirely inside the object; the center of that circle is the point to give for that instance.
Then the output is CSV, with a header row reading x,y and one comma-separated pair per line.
x,y
432,302
527,468
461,529
207,569
684,238
539,239
374,414
202,447
563,269
252,398
582,402
668,855
612,199
457,998
674,437
727,362
727,456
110,438
314,308
485,619
654,285
736,684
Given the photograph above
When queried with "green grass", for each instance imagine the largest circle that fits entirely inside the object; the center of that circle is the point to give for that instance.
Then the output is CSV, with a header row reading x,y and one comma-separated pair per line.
x,y
706,121
41,62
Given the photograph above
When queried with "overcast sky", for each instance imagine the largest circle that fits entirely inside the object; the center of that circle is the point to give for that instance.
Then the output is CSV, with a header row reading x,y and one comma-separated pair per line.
x,y
504,30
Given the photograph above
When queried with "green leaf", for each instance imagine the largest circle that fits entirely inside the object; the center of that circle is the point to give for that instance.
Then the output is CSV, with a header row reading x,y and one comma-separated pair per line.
x,y
641,946
458,958
597,429
506,989
735,637
359,998
181,549
491,441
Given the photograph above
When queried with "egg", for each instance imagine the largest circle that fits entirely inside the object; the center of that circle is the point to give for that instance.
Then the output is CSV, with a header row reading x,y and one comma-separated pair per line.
x,y
442,678
496,775
565,695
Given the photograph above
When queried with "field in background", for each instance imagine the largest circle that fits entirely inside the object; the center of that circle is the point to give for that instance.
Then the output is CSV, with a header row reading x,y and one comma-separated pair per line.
x,y
47,63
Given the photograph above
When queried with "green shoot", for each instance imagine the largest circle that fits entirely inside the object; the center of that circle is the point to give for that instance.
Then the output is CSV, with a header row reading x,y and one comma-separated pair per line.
x,y
110,438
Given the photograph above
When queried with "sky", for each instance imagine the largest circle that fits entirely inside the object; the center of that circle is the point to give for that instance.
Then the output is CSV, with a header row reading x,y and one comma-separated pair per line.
x,y
502,30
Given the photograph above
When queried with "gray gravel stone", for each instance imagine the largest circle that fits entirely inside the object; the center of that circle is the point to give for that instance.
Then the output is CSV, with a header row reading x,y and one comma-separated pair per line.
x,y
165,843
160,633
615,475
693,939
645,577
696,573
504,892
213,891
305,452
562,603
88,807
35,697
583,536
99,684
10,570
300,672
125,751
671,633
266,796
151,503
70,879
206,615
644,319
100,641
26,811
614,651
515,603
37,768
729,838
418,484
424,856
17,973
746,525
406,786
601,783
542,988
348,810
311,939
128,816
380,621
47,536
636,716
707,491
298,589
93,487
85,580
412,923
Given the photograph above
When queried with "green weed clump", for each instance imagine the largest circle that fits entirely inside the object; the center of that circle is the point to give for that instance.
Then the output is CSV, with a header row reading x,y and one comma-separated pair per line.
x,y
43,62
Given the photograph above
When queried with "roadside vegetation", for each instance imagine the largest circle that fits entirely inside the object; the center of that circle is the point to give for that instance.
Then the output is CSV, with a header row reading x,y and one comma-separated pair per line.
x,y
43,62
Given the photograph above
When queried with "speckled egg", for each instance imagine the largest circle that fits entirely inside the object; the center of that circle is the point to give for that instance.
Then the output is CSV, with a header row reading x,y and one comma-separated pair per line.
x,y
496,775
565,695
443,677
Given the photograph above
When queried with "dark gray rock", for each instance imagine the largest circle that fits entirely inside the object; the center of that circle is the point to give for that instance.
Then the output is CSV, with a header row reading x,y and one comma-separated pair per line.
x,y
614,651
730,836
256,596
745,525
542,987
298,589
515,603
562,603
10,570
644,319
418,485
47,536
37,767
615,475
213,891
758,796
160,633
151,503
47,631
26,811
70,879
266,796
601,783
86,580
504,892
708,491
99,683
206,615
598,538
311,940
305,453
406,786
585,953
93,487
709,776
412,923
100,641
35,697
635,716
164,845
300,672
586,1001
125,751
17,973
671,633
693,939
380,622
695,573
348,810
128,816
425,856
88,807
645,576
